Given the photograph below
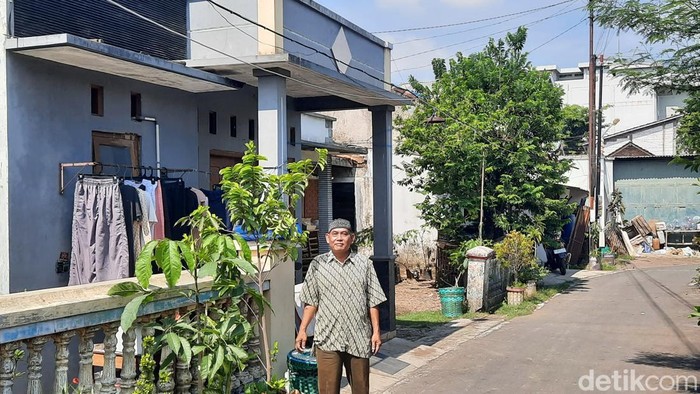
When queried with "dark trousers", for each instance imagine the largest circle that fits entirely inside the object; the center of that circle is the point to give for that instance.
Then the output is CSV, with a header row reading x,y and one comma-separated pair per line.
x,y
330,368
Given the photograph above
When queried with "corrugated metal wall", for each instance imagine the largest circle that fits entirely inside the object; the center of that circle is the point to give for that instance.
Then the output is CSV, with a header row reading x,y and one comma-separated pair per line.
x,y
94,19
667,200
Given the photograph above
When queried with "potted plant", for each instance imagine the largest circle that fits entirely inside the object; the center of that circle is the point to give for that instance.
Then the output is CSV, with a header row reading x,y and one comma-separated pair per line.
x,y
515,253
452,297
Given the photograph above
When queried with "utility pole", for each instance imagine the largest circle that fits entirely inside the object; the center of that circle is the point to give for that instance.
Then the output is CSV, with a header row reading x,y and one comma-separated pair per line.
x,y
599,160
599,139
592,165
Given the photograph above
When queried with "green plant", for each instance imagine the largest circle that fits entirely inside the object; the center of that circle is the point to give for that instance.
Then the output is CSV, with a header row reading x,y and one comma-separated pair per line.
x,y
534,272
427,318
263,204
273,386
215,330
147,365
213,334
364,238
696,314
515,253
458,257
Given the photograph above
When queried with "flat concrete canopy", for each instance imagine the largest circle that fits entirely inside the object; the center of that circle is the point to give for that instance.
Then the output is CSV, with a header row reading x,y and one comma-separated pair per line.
x,y
91,55
314,87
333,147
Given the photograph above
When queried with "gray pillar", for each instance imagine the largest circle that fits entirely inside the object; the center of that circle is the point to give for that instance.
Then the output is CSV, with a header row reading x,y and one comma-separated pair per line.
x,y
383,233
272,118
481,261
325,205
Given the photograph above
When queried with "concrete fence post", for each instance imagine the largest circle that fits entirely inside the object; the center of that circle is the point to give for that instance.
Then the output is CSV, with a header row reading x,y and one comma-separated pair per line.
x,y
485,279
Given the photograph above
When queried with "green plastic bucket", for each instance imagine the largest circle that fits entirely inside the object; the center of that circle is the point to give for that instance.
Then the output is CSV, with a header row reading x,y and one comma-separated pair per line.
x,y
303,372
451,300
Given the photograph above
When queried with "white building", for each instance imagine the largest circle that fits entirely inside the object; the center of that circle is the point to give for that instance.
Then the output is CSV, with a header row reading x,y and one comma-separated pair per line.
x,y
637,150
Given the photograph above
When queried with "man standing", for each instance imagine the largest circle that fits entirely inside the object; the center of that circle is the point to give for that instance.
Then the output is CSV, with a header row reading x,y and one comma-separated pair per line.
x,y
342,290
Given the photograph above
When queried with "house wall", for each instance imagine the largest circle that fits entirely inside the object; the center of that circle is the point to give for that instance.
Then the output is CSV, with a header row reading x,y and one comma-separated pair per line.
x,y
659,140
318,27
578,174
650,168
49,122
216,29
355,127
243,105
4,209
633,109
668,104
314,129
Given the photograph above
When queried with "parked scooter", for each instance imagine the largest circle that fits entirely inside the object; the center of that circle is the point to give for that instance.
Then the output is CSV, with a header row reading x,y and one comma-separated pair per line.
x,y
557,259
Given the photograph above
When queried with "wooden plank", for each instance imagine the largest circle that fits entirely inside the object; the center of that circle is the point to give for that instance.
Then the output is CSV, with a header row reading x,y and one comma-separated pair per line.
x,y
575,246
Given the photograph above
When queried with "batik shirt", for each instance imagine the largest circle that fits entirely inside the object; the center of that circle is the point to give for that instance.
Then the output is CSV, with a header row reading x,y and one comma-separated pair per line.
x,y
343,293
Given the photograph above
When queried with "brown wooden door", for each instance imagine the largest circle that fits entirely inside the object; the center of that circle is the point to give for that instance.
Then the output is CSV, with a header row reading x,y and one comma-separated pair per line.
x,y
219,160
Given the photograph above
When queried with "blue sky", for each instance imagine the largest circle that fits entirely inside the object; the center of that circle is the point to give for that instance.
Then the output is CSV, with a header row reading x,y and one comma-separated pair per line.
x,y
567,50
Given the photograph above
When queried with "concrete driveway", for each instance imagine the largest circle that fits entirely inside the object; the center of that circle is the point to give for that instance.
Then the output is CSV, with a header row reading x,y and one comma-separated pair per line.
x,y
601,335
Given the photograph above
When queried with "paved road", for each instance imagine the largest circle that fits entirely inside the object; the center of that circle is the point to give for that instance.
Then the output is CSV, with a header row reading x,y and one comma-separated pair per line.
x,y
619,326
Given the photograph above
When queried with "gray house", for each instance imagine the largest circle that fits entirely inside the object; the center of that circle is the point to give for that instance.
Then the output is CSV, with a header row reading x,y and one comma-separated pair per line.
x,y
179,85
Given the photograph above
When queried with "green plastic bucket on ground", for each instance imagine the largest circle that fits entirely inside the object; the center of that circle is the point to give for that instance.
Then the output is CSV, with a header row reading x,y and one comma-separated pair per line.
x,y
303,372
451,300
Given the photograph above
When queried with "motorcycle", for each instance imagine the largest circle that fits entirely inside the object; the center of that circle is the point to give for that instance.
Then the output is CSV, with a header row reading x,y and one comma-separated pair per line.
x,y
558,259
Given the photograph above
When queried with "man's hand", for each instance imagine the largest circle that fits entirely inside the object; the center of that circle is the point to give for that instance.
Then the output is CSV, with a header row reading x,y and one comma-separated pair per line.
x,y
300,342
376,342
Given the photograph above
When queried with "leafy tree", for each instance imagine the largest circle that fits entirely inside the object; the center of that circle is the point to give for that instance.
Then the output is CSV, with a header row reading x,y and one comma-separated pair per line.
x,y
576,129
499,111
670,60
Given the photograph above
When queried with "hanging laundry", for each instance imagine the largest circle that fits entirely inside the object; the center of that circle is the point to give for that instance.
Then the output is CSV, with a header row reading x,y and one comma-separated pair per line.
x,y
201,197
159,228
142,228
217,206
149,186
174,207
132,214
100,249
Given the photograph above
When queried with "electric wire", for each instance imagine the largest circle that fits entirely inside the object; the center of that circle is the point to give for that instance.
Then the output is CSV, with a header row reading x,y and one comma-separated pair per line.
x,y
557,36
321,88
559,13
476,28
331,57
473,21
429,105
250,35
482,37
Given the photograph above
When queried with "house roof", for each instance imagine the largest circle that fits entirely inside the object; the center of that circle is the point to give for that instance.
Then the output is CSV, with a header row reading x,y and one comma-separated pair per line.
x,y
631,149
92,55
333,147
670,119
313,86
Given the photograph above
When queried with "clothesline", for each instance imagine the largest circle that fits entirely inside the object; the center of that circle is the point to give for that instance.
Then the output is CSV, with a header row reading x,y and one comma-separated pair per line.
x,y
161,170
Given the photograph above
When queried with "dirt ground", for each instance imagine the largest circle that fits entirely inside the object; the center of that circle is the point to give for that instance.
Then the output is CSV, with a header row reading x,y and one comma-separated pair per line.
x,y
416,296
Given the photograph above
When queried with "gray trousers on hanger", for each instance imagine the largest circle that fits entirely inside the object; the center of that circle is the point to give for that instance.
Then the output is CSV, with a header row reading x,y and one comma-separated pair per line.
x,y
99,246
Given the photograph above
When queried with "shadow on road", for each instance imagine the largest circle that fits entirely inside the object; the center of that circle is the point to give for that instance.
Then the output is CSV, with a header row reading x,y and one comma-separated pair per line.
x,y
668,360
